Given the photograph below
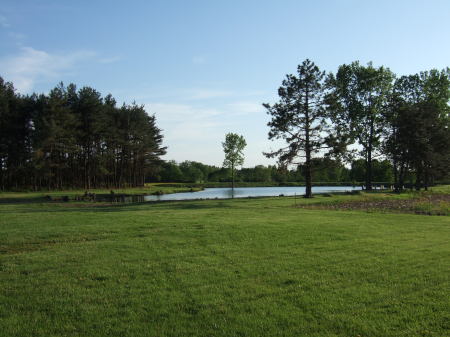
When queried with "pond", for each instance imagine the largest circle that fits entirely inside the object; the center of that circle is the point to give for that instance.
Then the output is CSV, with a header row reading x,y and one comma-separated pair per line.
x,y
245,192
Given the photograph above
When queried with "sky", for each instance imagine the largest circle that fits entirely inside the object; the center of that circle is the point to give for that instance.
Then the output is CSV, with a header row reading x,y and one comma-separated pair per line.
x,y
204,68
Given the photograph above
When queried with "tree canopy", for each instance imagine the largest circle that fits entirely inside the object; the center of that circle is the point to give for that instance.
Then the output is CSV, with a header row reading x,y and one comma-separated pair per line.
x,y
75,138
358,97
360,123
299,118
233,147
417,136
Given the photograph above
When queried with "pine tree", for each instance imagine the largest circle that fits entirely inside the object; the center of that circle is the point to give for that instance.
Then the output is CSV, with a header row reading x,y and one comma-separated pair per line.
x,y
299,118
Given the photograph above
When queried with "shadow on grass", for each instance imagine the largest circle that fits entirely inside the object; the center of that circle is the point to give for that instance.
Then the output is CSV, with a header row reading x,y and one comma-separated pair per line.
x,y
57,207
189,204
12,201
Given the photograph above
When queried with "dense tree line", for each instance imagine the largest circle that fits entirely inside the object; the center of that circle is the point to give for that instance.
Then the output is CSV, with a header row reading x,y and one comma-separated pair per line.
x,y
362,123
326,170
74,138
362,113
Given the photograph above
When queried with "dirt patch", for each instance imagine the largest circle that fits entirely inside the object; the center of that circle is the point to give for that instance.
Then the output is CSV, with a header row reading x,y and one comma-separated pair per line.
x,y
432,204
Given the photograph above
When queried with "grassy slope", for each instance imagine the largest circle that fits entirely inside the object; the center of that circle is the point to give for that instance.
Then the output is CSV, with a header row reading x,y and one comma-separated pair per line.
x,y
221,268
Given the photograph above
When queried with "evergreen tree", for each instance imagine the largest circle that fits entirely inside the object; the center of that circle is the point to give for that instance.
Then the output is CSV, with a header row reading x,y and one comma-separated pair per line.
x,y
299,118
75,138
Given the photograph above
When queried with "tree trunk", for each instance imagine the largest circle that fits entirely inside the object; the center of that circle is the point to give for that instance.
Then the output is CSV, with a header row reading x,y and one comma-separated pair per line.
x,y
395,169
369,158
419,172
369,171
308,175
426,178
232,180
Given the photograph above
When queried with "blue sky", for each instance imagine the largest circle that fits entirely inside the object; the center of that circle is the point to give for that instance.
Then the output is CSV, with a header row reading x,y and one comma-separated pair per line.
x,y
205,67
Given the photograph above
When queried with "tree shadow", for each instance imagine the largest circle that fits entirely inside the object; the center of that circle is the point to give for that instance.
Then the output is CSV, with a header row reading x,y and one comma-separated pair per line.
x,y
199,205
89,207
12,201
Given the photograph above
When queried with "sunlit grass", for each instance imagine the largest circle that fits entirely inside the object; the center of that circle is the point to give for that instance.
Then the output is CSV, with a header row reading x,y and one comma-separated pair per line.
x,y
243,267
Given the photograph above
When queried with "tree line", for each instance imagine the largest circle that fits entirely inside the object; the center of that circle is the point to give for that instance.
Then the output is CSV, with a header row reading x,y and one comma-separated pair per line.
x,y
326,171
364,112
75,138
356,124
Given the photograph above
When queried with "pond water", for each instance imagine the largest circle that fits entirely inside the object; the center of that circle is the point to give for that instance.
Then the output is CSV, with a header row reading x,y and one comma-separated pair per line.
x,y
244,192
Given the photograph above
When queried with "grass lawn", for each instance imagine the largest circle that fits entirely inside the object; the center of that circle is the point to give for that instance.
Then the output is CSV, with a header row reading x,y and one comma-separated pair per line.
x,y
243,267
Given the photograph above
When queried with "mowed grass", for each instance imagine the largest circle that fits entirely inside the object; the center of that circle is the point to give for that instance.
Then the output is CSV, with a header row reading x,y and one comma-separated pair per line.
x,y
249,267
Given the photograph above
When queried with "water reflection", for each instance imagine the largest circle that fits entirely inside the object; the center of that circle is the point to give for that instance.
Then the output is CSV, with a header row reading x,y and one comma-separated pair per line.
x,y
245,192
120,198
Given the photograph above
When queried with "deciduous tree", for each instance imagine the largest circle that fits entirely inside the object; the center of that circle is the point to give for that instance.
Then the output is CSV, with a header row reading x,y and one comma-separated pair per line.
x,y
358,97
233,146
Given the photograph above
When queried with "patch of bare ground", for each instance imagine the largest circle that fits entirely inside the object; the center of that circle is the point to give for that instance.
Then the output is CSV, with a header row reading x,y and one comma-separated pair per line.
x,y
430,204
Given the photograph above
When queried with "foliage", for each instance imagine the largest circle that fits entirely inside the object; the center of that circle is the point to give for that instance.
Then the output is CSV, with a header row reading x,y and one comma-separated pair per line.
x,y
357,99
418,136
325,170
75,138
233,147
299,119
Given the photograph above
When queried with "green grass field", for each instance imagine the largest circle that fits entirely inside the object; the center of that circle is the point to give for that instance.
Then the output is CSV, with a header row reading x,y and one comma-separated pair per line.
x,y
250,267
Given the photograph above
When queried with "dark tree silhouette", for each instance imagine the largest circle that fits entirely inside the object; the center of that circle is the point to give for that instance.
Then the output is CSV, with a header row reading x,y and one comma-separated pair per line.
x,y
74,139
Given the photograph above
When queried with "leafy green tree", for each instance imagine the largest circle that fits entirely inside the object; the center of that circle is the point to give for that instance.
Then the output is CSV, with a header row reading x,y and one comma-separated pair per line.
x,y
399,131
358,97
170,172
418,136
299,118
220,174
281,174
191,172
259,173
382,171
233,147
433,128
358,170
327,169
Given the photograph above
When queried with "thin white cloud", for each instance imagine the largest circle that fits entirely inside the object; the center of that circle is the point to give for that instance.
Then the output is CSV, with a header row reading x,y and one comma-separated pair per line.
x,y
172,112
194,129
190,131
246,107
203,93
247,100
196,132
17,36
31,66
4,22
